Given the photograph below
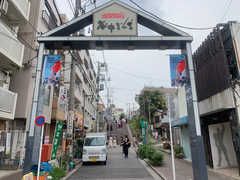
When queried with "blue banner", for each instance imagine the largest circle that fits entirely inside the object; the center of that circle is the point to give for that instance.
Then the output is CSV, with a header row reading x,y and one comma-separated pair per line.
x,y
52,70
177,70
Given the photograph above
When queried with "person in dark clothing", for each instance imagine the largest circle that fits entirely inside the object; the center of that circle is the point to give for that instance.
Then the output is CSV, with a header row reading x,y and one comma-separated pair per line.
x,y
111,127
122,139
107,127
126,143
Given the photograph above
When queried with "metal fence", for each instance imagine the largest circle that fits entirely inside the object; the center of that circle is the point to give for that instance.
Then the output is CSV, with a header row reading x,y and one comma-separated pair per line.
x,y
12,149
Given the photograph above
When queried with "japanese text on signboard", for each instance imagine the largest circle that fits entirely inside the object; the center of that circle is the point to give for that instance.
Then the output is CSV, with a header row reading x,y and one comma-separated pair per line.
x,y
121,23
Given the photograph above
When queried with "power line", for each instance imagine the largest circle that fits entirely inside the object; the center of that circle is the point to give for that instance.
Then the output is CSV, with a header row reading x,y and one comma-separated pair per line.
x,y
138,75
226,11
168,21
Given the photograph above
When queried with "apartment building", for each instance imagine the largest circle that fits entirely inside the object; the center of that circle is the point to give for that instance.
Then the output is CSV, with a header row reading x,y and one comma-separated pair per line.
x,y
13,15
43,17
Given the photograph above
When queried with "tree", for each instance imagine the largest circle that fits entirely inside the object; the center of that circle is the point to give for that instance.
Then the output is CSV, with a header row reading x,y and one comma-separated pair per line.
x,y
122,115
156,101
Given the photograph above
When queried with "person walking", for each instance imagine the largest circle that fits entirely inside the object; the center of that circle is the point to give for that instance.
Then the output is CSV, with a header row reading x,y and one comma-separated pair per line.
x,y
126,144
134,140
122,139
119,124
114,141
107,126
111,127
110,141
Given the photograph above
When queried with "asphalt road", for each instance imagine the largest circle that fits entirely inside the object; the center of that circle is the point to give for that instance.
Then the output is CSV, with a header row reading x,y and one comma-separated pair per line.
x,y
117,168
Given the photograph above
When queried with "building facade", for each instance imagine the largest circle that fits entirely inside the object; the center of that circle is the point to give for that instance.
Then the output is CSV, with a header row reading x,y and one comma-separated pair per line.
x,y
13,15
217,82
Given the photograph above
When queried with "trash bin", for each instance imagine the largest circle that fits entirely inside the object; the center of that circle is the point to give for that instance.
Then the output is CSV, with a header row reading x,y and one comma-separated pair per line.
x,y
46,152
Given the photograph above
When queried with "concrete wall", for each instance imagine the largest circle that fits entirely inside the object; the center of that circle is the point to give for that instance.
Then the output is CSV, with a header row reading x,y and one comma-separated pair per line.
x,y
185,142
182,102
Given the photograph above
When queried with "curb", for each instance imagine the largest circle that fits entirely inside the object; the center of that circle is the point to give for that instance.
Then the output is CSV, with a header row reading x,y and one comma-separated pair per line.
x,y
156,171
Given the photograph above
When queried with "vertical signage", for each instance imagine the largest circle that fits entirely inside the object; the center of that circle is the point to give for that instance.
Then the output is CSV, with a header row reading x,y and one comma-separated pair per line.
x,y
115,20
56,139
52,70
178,71
70,123
8,143
62,95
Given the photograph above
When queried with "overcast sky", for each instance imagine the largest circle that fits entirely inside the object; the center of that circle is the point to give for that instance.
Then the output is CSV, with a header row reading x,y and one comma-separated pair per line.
x,y
154,65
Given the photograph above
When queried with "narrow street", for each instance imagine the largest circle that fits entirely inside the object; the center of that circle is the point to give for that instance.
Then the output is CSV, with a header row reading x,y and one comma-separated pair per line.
x,y
117,168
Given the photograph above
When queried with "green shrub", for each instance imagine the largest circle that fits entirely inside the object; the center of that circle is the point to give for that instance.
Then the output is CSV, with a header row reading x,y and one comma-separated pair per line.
x,y
142,151
57,173
178,149
150,152
158,158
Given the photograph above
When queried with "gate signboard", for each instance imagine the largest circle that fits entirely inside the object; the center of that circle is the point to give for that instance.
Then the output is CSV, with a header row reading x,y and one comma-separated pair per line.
x,y
115,20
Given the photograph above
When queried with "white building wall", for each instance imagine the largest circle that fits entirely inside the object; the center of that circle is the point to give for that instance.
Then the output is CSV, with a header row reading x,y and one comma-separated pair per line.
x,y
182,102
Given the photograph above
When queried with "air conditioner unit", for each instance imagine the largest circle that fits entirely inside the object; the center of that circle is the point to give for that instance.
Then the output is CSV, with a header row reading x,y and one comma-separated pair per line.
x,y
4,6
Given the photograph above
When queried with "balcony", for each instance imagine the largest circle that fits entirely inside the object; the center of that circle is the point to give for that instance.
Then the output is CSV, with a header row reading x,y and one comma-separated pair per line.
x,y
77,94
79,74
11,50
8,102
48,20
18,12
57,112
86,89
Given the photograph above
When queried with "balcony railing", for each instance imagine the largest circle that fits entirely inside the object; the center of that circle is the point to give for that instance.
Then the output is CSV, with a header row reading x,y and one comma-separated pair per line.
x,y
11,48
8,101
51,24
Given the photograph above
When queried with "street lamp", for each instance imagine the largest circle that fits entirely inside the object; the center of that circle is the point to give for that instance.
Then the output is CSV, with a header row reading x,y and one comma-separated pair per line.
x,y
92,99
136,98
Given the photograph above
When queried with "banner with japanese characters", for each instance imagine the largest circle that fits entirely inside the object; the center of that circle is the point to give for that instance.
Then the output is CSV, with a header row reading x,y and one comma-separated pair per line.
x,y
115,20
62,95
178,70
56,139
52,70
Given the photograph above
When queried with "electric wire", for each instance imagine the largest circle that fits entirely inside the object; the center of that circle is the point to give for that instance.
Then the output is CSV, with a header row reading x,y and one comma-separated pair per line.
x,y
138,75
33,27
226,10
71,7
26,44
190,28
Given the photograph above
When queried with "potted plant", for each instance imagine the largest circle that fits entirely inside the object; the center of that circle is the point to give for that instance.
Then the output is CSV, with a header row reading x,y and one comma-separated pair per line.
x,y
79,152
7,158
17,158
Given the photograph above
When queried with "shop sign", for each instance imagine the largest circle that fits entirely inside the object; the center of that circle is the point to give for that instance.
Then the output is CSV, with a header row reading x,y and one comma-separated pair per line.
x,y
62,95
188,94
56,139
8,143
115,20
70,122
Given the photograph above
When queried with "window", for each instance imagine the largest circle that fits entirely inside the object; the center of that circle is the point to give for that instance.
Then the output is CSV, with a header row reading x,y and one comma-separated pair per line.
x,y
156,119
94,141
49,17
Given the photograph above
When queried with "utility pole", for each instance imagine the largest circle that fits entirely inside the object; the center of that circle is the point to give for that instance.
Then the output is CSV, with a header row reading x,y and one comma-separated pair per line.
x,y
98,80
70,124
149,121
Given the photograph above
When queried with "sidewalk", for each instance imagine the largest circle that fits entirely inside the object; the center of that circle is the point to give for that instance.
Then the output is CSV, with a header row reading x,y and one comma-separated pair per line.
x,y
17,175
184,169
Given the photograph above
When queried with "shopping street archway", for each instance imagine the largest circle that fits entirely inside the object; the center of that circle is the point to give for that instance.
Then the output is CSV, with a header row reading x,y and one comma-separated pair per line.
x,y
115,28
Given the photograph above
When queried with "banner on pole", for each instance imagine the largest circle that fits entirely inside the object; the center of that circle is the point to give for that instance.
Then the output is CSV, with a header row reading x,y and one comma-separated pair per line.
x,y
52,70
62,95
56,139
178,70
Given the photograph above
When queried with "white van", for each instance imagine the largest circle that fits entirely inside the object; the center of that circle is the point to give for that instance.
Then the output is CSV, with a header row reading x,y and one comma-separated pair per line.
x,y
95,148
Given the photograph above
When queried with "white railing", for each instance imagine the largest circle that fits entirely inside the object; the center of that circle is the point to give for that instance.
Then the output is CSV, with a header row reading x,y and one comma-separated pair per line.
x,y
7,101
10,43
